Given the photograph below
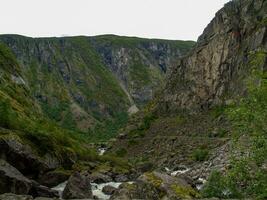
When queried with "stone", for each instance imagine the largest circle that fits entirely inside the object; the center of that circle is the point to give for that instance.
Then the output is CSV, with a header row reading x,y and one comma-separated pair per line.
x,y
53,178
38,190
78,187
109,190
121,178
155,185
11,180
99,178
22,156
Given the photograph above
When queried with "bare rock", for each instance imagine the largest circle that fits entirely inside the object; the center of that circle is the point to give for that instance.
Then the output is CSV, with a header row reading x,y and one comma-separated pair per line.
x,y
11,180
78,187
109,190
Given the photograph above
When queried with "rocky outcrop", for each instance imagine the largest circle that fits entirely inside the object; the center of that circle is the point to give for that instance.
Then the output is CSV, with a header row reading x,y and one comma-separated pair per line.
x,y
22,156
127,59
78,187
99,178
215,70
155,185
11,180
54,178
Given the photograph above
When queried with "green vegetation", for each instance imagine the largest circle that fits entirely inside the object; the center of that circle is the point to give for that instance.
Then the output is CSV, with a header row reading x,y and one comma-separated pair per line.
x,y
121,152
185,192
153,179
5,114
247,176
108,128
200,154
139,132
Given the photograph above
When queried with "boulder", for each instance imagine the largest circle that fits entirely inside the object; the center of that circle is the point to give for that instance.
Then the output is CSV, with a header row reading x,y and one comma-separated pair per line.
x,y
137,190
172,187
155,185
109,190
9,196
38,190
11,180
121,178
54,178
99,178
78,187
22,156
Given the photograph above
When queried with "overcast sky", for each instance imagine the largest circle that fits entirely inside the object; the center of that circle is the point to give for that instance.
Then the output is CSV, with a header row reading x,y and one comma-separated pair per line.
x,y
166,19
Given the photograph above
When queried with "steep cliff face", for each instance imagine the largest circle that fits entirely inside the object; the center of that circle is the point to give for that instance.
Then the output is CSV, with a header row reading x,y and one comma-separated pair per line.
x,y
139,64
215,70
87,82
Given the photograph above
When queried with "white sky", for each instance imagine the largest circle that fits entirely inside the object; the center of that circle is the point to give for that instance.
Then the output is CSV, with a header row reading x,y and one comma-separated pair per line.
x,y
166,19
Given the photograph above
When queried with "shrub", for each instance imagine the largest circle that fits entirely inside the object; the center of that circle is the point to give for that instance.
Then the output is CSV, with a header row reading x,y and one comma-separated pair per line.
x,y
5,114
121,152
200,154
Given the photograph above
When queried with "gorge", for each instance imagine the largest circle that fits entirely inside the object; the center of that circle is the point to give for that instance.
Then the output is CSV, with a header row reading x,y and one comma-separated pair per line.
x,y
111,117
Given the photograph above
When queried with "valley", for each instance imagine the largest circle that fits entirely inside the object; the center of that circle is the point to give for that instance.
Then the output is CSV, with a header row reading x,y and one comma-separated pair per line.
x,y
112,117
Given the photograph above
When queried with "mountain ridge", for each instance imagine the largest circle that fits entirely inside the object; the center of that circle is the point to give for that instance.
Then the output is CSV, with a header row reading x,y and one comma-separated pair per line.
x,y
95,75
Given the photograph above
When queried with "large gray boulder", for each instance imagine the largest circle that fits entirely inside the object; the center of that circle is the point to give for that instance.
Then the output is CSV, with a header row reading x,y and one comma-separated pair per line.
x,y
78,187
155,185
11,180
54,178
99,178
26,161
38,190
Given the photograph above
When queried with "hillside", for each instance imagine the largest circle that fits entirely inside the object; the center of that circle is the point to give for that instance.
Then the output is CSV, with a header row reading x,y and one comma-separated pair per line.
x,y
208,121
91,84
180,120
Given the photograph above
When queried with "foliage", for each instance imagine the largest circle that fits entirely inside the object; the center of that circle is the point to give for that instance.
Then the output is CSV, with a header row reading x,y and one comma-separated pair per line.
x,y
184,192
5,114
121,152
200,154
247,176
108,128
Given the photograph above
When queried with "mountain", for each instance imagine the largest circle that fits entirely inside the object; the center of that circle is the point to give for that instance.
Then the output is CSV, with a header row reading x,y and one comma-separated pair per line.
x,y
207,123
201,134
91,84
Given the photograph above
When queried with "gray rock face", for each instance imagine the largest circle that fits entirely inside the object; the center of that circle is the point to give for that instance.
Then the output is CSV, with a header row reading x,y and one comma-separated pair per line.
x,y
152,57
11,180
216,68
78,187
21,156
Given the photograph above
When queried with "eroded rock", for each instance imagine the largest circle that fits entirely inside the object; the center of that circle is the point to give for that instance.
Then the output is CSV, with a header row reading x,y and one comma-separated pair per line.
x,y
11,180
78,187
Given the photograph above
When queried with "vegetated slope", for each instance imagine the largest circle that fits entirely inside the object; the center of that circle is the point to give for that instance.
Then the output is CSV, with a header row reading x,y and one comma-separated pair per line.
x,y
215,93
32,143
22,120
89,84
